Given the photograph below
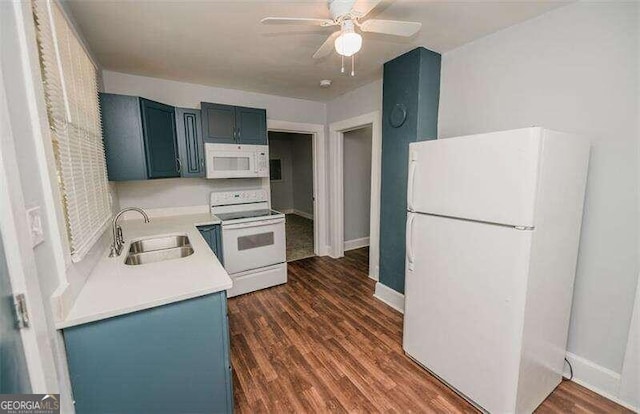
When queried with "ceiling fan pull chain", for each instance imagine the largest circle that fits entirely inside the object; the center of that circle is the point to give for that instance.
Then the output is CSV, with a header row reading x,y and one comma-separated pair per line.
x,y
342,69
353,65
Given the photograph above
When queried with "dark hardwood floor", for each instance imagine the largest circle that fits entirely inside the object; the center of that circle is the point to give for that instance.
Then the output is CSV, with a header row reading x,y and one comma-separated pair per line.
x,y
322,343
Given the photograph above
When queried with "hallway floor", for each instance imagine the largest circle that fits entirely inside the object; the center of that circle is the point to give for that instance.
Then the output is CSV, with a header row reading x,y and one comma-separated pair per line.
x,y
323,343
299,232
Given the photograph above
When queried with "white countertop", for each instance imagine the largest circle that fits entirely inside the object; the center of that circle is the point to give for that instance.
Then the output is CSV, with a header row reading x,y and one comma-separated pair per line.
x,y
114,288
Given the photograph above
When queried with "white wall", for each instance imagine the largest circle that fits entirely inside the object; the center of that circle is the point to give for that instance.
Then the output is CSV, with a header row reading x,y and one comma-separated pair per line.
x,y
177,192
189,95
364,100
573,69
357,183
191,192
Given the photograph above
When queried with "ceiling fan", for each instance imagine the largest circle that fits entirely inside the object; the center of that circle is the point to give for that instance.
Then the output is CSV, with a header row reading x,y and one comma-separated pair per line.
x,y
349,15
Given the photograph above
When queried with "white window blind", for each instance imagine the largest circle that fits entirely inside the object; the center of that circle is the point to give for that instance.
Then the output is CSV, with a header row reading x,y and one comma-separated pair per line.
x,y
71,93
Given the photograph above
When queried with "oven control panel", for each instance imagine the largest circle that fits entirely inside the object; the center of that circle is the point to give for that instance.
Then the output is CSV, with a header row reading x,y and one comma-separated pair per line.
x,y
224,198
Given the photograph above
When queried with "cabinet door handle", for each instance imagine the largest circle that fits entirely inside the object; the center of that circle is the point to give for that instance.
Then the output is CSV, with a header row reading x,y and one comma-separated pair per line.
x,y
202,162
178,165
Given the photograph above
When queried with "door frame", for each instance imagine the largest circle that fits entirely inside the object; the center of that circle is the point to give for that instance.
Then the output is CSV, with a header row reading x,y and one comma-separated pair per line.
x,y
19,254
320,205
336,185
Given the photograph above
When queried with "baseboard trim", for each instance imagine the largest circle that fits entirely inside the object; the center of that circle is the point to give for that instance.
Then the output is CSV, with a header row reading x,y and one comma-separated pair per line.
x,y
303,214
390,297
297,213
597,378
356,243
374,273
324,251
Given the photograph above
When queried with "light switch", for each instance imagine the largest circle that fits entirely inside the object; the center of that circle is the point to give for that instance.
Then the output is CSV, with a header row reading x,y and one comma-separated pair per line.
x,y
36,228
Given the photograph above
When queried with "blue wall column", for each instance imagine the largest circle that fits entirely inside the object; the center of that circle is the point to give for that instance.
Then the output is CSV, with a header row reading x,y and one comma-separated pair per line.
x,y
410,95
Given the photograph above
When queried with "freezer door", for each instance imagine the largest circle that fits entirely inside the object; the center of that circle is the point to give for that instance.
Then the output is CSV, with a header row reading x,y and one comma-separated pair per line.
x,y
464,305
488,177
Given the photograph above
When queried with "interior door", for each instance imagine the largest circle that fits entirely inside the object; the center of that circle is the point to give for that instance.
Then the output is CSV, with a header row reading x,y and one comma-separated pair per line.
x,y
488,177
159,126
14,377
251,124
218,123
464,303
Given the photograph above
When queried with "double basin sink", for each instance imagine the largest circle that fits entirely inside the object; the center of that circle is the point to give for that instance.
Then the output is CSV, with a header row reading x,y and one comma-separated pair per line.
x,y
158,249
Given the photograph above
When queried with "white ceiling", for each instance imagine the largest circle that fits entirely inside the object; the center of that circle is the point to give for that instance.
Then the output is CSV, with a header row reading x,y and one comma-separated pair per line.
x,y
222,43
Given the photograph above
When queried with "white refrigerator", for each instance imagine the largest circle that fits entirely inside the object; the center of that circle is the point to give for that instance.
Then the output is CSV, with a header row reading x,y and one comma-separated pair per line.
x,y
493,228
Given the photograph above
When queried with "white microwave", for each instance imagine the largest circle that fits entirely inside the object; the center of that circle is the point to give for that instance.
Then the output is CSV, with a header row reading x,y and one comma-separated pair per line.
x,y
236,161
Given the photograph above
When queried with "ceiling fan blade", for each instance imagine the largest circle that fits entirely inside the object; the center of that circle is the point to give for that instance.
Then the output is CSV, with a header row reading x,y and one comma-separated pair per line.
x,y
298,20
364,7
327,46
391,27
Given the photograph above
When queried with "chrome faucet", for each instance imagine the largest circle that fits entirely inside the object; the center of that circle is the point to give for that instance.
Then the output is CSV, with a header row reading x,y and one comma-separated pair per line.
x,y
118,240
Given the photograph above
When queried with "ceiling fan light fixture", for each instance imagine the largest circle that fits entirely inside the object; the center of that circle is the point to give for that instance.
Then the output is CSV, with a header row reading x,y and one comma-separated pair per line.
x,y
349,42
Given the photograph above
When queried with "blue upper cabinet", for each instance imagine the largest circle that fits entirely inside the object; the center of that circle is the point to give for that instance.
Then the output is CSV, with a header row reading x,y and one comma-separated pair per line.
x,y
251,126
123,137
218,123
139,138
411,89
190,143
226,124
158,124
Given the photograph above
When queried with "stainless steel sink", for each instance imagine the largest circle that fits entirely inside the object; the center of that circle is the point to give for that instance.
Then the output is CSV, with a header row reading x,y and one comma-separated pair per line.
x,y
158,256
158,249
159,243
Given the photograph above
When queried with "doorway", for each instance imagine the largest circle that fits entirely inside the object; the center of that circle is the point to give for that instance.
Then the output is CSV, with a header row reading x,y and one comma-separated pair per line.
x,y
357,187
336,173
292,189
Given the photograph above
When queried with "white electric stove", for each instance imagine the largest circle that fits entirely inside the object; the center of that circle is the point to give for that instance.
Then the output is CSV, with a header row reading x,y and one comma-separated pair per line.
x,y
253,240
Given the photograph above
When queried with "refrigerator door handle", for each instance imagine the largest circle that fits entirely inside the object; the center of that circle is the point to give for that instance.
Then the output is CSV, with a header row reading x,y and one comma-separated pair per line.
x,y
410,256
413,161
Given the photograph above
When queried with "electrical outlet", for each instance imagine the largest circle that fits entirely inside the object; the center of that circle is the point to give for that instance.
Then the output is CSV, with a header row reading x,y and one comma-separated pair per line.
x,y
36,228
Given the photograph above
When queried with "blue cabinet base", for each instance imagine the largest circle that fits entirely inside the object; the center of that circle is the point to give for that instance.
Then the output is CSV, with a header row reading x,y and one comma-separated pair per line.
x,y
169,359
212,234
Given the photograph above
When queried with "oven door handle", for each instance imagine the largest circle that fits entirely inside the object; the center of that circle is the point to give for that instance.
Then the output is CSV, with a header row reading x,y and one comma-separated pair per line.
x,y
260,223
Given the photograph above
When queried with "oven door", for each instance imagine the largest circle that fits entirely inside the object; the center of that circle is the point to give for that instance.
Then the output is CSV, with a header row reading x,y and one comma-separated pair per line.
x,y
254,244
231,164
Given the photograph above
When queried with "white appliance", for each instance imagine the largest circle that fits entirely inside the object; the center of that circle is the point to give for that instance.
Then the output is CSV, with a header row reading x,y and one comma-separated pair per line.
x,y
236,161
253,240
493,227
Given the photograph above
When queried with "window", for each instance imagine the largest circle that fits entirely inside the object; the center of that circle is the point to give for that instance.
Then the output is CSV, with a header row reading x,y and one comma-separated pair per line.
x,y
71,94
275,170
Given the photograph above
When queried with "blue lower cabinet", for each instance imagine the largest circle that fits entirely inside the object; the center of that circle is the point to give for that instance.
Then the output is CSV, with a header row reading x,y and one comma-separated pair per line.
x,y
213,235
169,359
